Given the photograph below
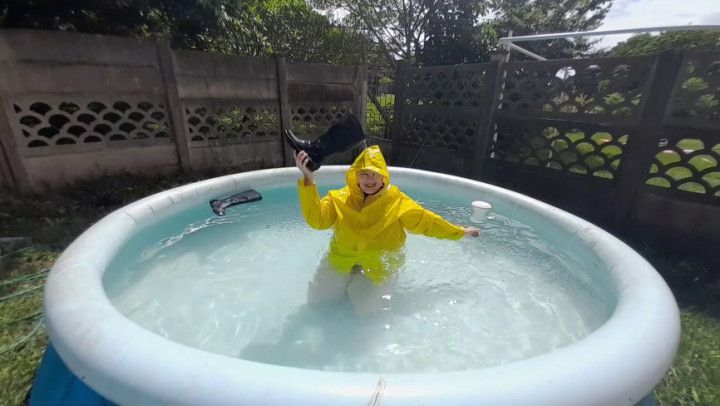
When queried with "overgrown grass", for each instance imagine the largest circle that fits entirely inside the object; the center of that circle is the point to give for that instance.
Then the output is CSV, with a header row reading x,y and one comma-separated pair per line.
x,y
55,219
694,378
19,317
52,221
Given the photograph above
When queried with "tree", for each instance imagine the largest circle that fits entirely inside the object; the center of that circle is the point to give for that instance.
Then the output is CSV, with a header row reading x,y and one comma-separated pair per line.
x,y
239,27
457,31
302,34
526,17
398,27
288,27
184,22
646,44
454,36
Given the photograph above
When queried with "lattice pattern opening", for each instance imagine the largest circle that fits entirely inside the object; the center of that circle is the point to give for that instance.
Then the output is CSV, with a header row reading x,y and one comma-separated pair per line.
x,y
72,122
310,120
458,86
231,123
585,150
380,106
689,164
612,88
696,97
450,132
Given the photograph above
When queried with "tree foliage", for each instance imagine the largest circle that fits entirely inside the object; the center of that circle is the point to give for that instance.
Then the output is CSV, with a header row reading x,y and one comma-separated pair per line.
x,y
399,27
243,27
289,27
459,31
183,22
527,17
454,36
429,32
646,44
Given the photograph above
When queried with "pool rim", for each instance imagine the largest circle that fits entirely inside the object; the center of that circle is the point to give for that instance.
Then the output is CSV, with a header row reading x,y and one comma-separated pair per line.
x,y
619,363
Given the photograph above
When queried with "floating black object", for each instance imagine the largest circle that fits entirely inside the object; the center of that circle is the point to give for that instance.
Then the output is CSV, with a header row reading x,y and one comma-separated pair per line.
x,y
219,206
338,138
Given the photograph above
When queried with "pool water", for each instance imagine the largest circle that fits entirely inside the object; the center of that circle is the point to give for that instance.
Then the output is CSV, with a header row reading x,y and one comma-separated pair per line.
x,y
236,285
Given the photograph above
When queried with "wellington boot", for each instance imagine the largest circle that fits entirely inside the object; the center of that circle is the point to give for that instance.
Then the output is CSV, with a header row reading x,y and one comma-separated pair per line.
x,y
340,137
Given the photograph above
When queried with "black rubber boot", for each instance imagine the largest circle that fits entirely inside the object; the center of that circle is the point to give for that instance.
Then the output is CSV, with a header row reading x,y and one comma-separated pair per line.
x,y
340,137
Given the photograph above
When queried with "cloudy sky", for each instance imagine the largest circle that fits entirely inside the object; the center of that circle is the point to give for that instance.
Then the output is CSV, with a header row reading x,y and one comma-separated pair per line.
x,y
653,13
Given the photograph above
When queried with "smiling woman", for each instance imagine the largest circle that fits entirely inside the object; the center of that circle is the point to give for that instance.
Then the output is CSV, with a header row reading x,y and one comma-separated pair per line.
x,y
369,217
370,182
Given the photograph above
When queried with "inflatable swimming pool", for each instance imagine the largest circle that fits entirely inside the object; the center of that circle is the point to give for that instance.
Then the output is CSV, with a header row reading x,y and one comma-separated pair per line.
x,y
617,362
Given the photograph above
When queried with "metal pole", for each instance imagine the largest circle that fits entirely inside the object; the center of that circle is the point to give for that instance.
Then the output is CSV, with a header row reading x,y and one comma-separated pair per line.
x,y
507,47
526,52
511,39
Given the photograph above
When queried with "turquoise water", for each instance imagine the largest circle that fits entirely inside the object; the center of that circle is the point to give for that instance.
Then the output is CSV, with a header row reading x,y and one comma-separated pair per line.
x,y
236,285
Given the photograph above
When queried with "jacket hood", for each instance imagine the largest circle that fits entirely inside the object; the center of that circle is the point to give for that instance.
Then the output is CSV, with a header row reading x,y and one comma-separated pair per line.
x,y
369,159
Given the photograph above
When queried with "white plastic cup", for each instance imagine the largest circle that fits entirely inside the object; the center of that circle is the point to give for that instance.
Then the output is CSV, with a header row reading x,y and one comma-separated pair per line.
x,y
480,210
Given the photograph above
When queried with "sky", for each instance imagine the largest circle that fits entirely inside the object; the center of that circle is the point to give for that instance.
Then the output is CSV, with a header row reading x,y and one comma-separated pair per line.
x,y
653,13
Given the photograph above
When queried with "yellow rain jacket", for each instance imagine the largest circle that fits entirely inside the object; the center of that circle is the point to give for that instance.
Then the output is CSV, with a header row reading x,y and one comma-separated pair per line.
x,y
370,232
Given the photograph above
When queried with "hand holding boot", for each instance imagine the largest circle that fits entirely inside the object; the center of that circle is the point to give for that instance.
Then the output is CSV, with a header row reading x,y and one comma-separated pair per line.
x,y
301,161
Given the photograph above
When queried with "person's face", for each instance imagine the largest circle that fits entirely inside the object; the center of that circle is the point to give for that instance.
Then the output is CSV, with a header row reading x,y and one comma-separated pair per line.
x,y
370,182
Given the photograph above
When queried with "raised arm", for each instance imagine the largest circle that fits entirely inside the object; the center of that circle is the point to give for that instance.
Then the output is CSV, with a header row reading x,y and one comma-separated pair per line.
x,y
319,213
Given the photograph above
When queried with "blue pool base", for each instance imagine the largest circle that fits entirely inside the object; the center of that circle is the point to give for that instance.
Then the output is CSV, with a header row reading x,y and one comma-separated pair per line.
x,y
56,385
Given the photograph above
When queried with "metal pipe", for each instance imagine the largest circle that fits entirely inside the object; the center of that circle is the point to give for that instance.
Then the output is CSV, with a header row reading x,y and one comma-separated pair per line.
x,y
526,52
521,38
507,47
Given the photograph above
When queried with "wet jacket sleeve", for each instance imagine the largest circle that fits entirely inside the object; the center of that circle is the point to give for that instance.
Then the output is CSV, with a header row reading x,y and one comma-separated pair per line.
x,y
418,220
319,213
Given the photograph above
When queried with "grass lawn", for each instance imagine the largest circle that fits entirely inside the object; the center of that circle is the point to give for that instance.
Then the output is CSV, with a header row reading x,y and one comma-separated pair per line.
x,y
53,221
18,365
695,377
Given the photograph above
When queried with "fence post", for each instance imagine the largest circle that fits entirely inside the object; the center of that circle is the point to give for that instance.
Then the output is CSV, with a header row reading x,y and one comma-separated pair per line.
x,y
18,174
168,67
401,78
360,101
6,176
283,104
494,81
642,145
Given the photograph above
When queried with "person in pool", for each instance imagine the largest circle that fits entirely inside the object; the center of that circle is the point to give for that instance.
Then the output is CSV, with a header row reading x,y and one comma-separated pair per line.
x,y
369,216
